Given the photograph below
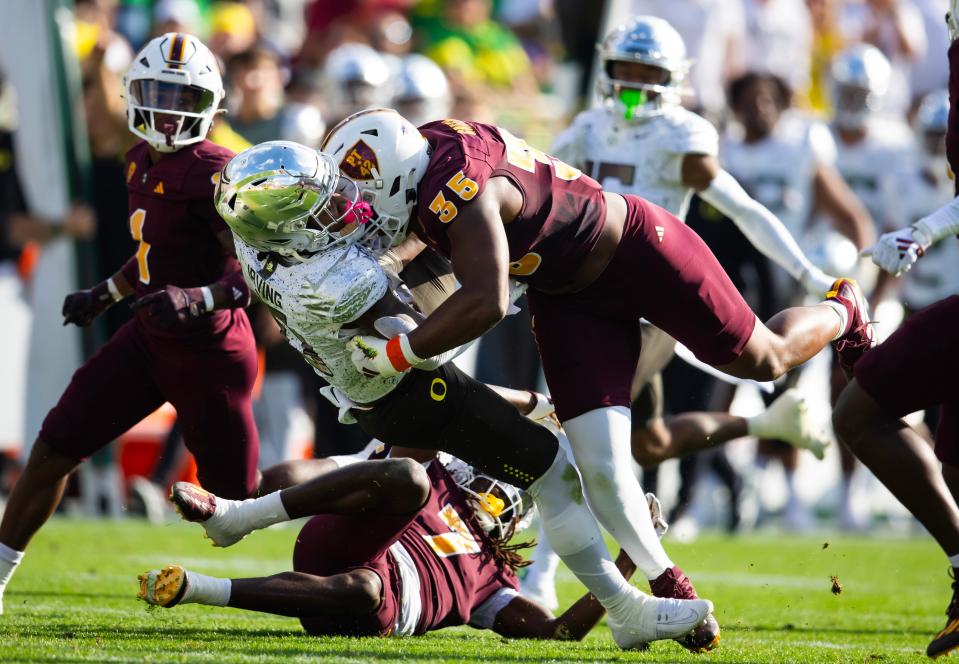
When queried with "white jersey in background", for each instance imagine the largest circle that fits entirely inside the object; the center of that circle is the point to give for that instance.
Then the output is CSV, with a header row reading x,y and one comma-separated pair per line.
x,y
936,276
779,170
875,168
642,157
315,302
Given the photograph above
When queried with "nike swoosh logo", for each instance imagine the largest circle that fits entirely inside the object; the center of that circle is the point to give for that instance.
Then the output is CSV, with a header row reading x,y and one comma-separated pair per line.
x,y
690,616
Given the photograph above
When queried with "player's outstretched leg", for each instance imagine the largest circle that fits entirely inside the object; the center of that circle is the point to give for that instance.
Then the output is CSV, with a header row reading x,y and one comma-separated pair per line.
x,y
34,498
787,419
794,336
389,486
295,594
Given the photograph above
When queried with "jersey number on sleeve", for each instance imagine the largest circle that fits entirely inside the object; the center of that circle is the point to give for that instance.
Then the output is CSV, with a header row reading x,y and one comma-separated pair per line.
x,y
137,219
521,154
457,541
460,185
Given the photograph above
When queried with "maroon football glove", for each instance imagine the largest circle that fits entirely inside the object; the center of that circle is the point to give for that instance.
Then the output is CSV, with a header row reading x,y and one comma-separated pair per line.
x,y
172,305
82,307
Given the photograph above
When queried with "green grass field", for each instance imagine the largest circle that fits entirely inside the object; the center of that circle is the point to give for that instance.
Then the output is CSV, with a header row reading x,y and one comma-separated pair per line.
x,y
74,600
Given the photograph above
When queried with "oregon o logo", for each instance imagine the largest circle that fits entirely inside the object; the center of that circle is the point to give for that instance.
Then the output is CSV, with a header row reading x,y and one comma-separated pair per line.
x,y
438,389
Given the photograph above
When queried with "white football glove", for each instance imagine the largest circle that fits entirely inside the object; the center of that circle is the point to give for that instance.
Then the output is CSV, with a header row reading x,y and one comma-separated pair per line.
x,y
656,514
898,251
373,356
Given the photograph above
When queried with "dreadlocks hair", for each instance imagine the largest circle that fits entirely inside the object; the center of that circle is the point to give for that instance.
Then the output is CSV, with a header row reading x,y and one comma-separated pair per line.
x,y
508,555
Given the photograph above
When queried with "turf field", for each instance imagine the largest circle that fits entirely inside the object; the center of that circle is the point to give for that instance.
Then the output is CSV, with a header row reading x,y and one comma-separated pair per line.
x,y
74,600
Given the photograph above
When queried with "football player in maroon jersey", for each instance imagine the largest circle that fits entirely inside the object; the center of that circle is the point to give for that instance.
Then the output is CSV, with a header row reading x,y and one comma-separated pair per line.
x,y
914,369
595,263
190,342
421,549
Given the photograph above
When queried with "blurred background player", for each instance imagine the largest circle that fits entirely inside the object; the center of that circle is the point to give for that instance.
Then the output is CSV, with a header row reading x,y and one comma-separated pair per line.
x,y
190,342
875,152
356,77
784,158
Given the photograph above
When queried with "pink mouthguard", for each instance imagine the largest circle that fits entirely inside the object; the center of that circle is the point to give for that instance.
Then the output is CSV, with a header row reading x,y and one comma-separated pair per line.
x,y
358,212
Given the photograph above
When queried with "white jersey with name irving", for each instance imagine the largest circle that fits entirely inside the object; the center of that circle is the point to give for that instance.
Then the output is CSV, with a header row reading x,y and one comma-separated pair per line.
x,y
642,157
315,301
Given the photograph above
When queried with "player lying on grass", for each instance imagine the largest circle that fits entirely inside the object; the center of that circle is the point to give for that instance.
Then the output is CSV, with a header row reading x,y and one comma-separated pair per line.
x,y
296,222
190,342
393,548
916,368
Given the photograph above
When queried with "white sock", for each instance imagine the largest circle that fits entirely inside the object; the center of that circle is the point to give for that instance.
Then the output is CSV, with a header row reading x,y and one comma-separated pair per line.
x,y
594,568
954,560
253,513
574,534
600,440
842,313
203,589
9,559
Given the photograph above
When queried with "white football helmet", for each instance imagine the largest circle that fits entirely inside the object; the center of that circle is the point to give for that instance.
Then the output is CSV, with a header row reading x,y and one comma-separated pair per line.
x,y
356,77
859,79
500,508
423,93
650,41
173,91
387,157
288,199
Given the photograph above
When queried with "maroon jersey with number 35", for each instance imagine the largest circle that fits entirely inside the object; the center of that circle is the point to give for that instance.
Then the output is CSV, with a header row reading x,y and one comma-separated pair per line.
x,y
563,210
175,223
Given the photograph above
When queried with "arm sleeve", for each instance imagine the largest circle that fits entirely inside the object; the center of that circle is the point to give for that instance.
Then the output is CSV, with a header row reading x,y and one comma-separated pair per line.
x,y
940,224
763,230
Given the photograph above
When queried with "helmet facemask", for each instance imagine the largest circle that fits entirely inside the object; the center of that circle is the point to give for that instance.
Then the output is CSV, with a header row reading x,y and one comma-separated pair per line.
x,y
854,105
500,508
169,115
639,89
287,199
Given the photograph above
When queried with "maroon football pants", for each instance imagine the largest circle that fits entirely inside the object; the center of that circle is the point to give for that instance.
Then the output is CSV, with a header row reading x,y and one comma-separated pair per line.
x,y
208,379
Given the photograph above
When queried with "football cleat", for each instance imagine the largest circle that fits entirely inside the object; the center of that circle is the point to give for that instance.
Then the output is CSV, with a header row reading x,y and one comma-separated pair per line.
x,y
163,587
787,419
199,506
656,618
859,336
672,583
947,640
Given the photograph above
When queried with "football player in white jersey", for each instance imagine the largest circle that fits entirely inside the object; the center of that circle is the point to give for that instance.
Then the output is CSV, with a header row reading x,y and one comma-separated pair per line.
x,y
642,141
296,222
784,159
875,153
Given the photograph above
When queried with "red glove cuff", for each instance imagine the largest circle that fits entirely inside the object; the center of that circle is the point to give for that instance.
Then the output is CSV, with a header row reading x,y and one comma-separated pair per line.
x,y
394,351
